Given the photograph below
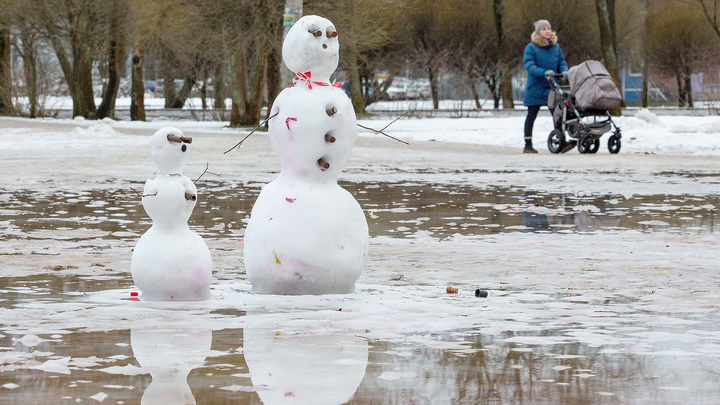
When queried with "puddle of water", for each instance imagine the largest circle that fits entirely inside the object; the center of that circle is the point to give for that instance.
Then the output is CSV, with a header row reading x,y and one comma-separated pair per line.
x,y
540,363
402,210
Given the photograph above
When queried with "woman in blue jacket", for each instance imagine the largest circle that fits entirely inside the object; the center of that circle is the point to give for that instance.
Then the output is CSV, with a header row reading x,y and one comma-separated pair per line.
x,y
542,54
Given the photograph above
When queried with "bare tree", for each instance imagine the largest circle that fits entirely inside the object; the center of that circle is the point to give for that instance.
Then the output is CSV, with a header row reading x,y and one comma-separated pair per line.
x,y
6,105
677,50
711,16
366,30
428,30
608,41
646,54
26,46
116,52
503,64
137,87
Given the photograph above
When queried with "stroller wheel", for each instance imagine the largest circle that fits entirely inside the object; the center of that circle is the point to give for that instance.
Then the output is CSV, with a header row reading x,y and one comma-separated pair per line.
x,y
588,145
614,144
556,141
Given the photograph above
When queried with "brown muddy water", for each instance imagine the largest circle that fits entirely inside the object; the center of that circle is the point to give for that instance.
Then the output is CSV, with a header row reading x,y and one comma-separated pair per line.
x,y
401,210
608,360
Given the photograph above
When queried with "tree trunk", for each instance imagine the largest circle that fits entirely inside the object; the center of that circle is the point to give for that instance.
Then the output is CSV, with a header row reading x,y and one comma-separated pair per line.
x,y
137,90
681,89
688,86
380,90
239,87
645,83
234,87
116,52
606,43
6,104
473,88
248,97
219,86
184,92
168,76
203,88
67,69
503,67
255,98
274,60
646,56
30,69
491,82
83,76
434,87
506,90
273,76
356,96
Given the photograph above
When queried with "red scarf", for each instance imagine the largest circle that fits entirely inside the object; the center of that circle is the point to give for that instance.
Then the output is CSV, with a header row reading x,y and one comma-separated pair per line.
x,y
305,77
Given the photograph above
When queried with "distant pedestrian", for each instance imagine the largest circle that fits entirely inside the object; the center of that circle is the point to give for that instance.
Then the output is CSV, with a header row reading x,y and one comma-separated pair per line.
x,y
542,55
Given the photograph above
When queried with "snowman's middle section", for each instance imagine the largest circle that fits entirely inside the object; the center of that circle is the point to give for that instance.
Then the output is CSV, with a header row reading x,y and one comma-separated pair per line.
x,y
314,131
306,234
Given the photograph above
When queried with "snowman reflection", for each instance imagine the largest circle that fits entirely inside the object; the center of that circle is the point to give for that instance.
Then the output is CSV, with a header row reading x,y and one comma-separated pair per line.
x,y
169,356
302,366
171,262
306,234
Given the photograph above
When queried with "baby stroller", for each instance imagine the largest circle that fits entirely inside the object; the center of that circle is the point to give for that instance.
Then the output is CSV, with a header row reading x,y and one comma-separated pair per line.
x,y
581,109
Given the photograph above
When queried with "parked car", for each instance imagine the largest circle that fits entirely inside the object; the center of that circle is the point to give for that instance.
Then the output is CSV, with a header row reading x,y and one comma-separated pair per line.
x,y
408,89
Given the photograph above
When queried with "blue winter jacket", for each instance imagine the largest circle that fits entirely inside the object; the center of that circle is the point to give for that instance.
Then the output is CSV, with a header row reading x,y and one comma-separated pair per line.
x,y
541,55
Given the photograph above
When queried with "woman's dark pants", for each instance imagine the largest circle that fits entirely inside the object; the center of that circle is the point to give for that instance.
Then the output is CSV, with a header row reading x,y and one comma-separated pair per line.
x,y
532,113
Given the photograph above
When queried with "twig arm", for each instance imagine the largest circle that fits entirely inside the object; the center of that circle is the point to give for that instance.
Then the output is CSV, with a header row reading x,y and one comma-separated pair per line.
x,y
237,145
381,132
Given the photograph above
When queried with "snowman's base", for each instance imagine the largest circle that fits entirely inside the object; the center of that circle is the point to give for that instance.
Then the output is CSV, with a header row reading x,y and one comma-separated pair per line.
x,y
298,287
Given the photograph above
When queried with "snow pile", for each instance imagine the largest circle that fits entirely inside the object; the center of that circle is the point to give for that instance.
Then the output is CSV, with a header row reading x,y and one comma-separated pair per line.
x,y
647,116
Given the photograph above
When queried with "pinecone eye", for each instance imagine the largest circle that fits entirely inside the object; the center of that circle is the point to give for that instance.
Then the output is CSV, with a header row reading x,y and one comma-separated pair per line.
x,y
332,33
316,33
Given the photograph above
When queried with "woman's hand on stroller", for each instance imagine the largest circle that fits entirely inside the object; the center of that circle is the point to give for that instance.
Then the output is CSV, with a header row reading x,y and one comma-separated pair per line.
x,y
565,75
549,74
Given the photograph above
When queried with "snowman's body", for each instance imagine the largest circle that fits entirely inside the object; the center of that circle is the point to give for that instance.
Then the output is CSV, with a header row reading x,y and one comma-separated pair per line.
x,y
171,262
306,234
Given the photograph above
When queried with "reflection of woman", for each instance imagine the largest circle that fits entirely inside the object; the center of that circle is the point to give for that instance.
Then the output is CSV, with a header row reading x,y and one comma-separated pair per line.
x,y
542,55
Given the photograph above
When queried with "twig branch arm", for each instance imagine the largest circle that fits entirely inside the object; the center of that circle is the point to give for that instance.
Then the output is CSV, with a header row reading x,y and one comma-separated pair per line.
x,y
237,145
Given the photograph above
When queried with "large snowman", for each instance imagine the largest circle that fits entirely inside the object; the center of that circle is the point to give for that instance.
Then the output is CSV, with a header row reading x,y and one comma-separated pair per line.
x,y
170,262
306,234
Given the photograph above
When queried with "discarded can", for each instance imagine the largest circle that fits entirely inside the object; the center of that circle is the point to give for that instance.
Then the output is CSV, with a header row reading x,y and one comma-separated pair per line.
x,y
481,293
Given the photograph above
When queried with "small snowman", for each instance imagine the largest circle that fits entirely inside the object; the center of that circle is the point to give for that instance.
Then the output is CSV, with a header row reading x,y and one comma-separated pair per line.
x,y
306,234
170,262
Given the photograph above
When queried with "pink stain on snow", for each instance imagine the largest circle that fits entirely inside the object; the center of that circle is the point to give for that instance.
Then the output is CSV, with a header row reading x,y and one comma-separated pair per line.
x,y
287,122
290,200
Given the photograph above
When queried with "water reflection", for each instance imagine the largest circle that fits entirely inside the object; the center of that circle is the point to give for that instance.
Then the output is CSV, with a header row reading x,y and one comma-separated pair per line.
x,y
582,221
304,365
401,210
557,349
169,356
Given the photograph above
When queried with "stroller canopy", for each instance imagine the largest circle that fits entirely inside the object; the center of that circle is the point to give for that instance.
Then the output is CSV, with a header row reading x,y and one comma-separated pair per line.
x,y
593,87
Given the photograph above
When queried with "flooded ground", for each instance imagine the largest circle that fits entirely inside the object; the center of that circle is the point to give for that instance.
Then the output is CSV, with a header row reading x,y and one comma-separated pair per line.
x,y
67,338
580,351
392,209
601,273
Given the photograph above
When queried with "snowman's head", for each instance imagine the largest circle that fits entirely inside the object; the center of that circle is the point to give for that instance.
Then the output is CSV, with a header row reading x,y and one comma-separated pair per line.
x,y
311,45
168,147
